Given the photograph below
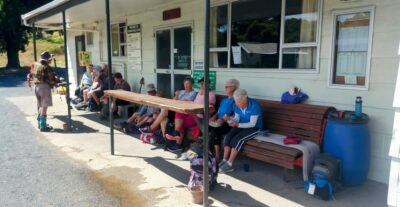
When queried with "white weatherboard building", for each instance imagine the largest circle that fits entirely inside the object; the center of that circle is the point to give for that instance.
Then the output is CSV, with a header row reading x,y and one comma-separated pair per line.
x,y
334,50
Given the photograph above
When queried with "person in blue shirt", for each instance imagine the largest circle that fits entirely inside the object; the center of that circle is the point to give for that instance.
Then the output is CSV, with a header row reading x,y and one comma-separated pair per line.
x,y
245,124
220,127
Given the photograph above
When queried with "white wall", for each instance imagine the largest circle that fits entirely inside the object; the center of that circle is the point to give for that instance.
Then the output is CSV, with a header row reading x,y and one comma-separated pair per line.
x,y
270,85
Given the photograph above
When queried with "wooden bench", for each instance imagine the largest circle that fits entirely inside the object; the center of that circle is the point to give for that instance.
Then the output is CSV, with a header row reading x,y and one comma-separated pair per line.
x,y
305,121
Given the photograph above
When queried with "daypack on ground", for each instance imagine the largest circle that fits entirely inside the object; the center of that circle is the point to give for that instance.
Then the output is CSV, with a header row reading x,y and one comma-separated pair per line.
x,y
196,171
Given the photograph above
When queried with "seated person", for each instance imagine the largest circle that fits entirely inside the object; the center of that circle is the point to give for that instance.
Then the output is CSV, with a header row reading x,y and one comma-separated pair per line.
x,y
225,110
188,94
145,115
119,84
245,124
186,121
86,82
96,84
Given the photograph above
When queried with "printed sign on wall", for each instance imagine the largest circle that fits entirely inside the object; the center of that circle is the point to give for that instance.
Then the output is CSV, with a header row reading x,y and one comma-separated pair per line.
x,y
134,42
198,74
85,58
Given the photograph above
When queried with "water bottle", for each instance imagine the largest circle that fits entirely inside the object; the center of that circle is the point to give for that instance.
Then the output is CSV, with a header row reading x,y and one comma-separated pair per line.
x,y
358,107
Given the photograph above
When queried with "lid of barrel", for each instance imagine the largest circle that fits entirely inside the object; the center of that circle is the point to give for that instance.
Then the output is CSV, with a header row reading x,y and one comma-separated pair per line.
x,y
347,117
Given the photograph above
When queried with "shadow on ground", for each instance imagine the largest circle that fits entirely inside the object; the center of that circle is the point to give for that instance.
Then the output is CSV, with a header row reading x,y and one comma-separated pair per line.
x,y
77,126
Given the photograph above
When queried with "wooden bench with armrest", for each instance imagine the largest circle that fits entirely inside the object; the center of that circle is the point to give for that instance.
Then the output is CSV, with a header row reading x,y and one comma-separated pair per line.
x,y
304,121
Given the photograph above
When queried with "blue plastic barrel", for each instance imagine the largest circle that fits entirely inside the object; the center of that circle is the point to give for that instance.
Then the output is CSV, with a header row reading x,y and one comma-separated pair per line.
x,y
347,138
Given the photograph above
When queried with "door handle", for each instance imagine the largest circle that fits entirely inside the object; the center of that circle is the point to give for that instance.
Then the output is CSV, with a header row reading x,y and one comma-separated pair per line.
x,y
167,71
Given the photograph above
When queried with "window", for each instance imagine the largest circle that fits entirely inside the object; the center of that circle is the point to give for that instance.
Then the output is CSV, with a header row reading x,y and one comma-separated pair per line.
x,y
219,37
259,34
118,39
299,50
351,48
89,38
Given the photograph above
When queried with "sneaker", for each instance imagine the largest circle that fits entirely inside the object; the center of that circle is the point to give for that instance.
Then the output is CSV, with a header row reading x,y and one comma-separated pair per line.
x,y
145,129
81,105
221,163
121,125
173,136
226,168
184,156
175,148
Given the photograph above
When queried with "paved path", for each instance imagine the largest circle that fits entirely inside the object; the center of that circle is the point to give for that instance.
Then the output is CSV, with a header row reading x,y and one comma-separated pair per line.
x,y
33,172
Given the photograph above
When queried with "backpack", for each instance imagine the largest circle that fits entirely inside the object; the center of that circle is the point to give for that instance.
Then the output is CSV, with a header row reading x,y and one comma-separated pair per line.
x,y
92,105
196,171
320,188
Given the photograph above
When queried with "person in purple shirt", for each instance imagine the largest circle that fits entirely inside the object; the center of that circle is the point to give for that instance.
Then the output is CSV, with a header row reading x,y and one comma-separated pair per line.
x,y
220,127
245,124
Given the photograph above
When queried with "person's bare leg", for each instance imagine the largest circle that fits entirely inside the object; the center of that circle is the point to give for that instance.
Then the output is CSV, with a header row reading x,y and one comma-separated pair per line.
x,y
163,115
132,118
85,96
233,156
43,111
227,151
163,125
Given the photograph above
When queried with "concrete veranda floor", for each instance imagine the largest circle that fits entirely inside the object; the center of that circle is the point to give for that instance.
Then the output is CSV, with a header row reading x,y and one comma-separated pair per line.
x,y
140,174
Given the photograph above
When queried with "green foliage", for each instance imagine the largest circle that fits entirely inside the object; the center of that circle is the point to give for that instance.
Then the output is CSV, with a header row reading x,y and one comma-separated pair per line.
x,y
13,35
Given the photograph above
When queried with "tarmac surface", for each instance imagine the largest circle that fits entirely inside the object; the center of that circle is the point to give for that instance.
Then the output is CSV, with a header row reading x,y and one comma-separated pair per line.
x,y
34,172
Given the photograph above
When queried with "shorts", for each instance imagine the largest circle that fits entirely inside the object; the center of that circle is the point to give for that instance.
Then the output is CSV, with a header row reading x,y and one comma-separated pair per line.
x,y
43,95
218,133
237,137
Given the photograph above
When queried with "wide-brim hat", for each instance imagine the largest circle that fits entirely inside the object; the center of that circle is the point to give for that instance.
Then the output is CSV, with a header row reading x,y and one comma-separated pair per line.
x,y
46,56
150,87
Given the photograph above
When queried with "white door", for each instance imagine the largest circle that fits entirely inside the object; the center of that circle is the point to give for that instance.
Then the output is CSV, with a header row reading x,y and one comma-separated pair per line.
x,y
173,58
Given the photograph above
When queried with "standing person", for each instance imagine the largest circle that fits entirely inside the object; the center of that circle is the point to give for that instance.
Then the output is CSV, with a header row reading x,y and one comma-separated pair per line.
x,y
245,124
44,78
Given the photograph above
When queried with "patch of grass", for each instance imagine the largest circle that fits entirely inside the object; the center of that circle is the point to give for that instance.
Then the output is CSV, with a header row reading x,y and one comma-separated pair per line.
x,y
53,43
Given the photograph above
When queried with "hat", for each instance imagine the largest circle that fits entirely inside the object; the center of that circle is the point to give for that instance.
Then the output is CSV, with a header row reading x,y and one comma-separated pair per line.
x,y
202,80
46,56
150,87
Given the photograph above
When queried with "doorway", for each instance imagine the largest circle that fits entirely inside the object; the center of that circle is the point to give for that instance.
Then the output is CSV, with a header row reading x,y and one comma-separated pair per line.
x,y
79,46
174,47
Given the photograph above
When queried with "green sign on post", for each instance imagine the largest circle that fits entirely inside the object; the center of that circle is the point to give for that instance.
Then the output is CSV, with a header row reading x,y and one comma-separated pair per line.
x,y
198,74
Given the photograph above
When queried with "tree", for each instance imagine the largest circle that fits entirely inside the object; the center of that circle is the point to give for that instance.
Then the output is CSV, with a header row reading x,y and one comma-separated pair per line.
x,y
14,35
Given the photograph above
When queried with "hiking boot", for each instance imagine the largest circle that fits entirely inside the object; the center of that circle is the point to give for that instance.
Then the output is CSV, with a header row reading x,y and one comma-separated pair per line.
x,y
175,148
226,168
46,129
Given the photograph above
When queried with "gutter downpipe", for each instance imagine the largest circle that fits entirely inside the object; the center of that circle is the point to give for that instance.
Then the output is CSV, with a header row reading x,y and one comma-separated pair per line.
x,y
66,67
110,115
34,42
206,101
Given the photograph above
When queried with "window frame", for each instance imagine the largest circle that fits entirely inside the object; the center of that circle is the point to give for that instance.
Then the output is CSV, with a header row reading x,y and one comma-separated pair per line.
x,y
316,44
340,12
119,39
89,38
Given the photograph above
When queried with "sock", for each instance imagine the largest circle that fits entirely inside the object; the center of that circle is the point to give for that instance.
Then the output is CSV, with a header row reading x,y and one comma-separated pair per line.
x,y
224,160
229,163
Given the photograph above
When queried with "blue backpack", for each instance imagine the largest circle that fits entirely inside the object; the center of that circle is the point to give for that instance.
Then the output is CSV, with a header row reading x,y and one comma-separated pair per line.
x,y
324,189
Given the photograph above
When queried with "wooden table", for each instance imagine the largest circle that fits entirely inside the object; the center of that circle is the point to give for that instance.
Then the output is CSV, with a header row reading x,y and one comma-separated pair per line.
x,y
184,107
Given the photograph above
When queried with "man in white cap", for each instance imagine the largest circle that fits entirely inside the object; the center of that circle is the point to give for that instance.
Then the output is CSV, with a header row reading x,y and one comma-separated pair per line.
x,y
44,78
141,116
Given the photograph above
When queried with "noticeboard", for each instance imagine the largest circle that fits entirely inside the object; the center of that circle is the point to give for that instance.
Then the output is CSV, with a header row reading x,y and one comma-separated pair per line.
x,y
198,74
85,58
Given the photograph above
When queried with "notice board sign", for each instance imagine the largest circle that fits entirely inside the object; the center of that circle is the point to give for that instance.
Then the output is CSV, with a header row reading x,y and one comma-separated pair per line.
x,y
134,47
198,74
85,58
